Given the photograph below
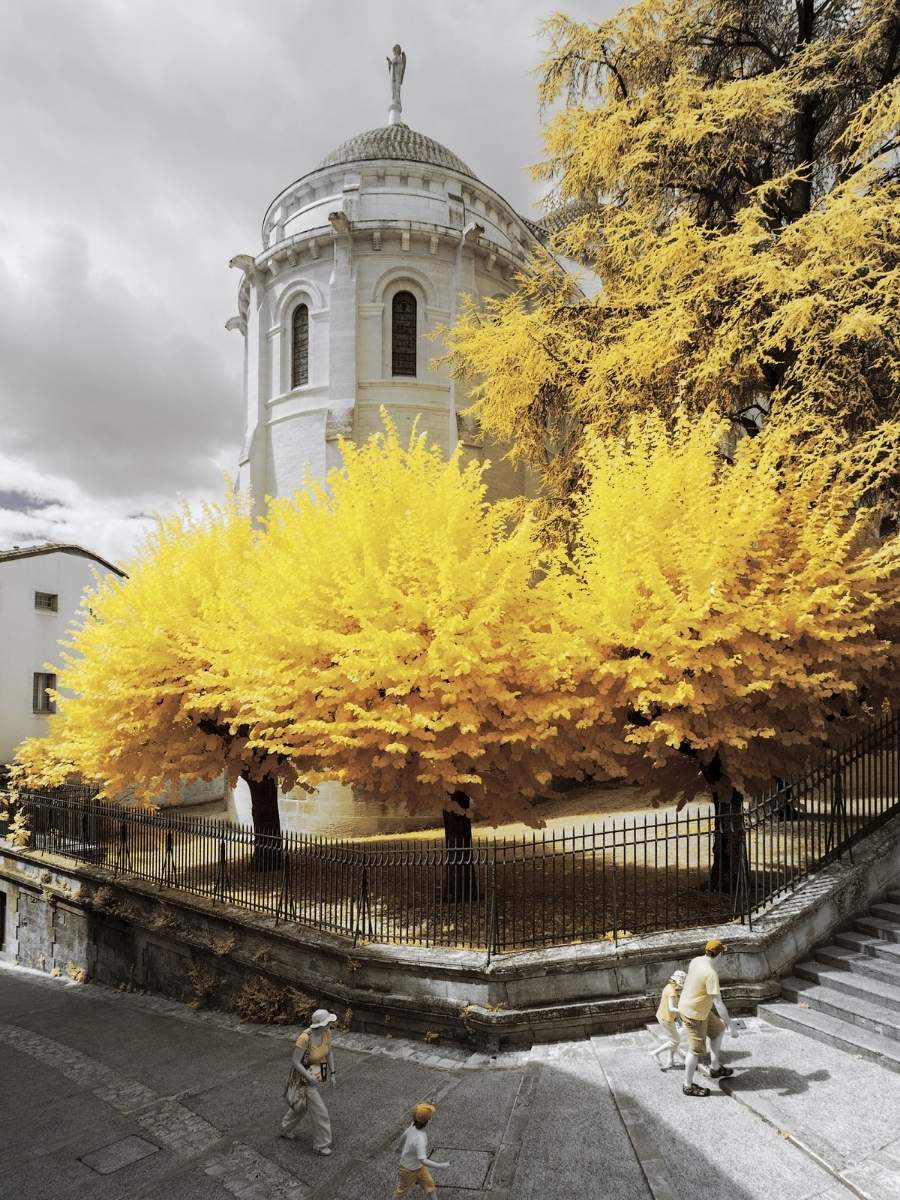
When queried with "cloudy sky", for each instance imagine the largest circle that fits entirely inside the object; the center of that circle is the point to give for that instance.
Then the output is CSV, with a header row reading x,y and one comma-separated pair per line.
x,y
141,142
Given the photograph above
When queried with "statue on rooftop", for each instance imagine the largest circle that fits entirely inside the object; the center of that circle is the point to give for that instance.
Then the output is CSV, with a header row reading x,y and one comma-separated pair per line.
x,y
396,69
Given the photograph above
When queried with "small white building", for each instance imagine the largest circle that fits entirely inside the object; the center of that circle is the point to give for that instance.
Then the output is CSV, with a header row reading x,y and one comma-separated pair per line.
x,y
40,594
362,259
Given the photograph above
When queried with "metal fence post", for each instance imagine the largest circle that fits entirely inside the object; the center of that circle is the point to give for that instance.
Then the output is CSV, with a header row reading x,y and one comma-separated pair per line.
x,y
168,875
362,902
222,880
493,938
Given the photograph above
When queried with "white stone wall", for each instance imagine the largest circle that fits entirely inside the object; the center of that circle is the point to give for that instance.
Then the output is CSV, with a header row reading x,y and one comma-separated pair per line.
x,y
29,638
343,241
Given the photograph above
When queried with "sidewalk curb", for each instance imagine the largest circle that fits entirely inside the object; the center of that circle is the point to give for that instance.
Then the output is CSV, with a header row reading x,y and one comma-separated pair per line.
x,y
820,1152
650,1159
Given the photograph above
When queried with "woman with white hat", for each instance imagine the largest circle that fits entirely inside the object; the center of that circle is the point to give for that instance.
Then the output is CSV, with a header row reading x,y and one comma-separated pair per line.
x,y
311,1066
665,1015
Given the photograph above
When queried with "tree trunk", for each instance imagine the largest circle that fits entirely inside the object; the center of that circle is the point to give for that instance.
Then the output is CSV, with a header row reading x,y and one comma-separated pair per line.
x,y
729,845
729,841
462,880
266,822
785,810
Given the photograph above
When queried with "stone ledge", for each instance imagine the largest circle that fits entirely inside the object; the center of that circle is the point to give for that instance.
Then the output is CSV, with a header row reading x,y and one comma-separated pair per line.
x,y
513,999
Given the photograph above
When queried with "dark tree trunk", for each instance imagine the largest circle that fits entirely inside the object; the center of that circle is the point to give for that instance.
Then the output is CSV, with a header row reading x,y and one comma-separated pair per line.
x,y
266,823
729,841
729,846
785,809
462,880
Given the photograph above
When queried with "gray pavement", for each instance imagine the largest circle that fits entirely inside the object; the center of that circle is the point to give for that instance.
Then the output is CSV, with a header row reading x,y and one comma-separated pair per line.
x,y
107,1095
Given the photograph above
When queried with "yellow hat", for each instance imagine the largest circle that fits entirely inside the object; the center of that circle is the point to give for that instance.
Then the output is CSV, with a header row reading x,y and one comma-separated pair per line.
x,y
714,946
423,1112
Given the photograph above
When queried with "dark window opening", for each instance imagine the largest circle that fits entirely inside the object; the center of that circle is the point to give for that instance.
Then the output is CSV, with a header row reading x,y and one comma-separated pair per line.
x,y
46,601
300,346
403,334
40,701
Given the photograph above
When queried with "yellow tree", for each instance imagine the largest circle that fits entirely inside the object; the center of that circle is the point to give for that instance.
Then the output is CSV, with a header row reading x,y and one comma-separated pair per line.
x,y
135,708
730,172
412,646
745,609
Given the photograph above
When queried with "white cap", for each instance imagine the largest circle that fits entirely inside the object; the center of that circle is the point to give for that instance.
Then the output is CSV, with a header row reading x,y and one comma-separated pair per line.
x,y
322,1017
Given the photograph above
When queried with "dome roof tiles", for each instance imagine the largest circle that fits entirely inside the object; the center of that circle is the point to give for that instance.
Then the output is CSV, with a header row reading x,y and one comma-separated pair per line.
x,y
397,142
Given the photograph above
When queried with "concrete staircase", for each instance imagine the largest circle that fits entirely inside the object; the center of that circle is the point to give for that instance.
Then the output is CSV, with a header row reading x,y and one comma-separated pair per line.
x,y
848,995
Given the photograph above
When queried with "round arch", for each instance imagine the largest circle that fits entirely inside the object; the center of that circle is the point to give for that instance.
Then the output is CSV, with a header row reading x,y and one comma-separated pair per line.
x,y
404,278
298,291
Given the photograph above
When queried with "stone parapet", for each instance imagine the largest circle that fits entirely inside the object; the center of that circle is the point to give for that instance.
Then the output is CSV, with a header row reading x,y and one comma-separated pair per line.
x,y
80,919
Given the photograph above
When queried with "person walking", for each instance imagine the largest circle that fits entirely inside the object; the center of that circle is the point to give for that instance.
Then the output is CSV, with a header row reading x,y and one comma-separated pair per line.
x,y
414,1160
666,1016
311,1066
700,994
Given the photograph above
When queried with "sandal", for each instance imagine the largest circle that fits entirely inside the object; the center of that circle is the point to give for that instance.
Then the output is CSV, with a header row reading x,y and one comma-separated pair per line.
x,y
695,1090
720,1072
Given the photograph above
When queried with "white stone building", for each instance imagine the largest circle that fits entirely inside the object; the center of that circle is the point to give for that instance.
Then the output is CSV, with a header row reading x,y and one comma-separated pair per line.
x,y
40,596
362,258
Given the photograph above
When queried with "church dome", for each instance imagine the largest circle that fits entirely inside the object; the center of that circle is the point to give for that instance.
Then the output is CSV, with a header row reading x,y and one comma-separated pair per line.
x,y
399,142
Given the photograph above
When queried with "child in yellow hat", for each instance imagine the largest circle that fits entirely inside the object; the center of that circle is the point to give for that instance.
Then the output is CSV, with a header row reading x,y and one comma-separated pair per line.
x,y
666,1016
414,1160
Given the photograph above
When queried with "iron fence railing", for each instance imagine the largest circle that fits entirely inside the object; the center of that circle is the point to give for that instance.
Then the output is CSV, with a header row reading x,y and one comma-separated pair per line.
x,y
657,871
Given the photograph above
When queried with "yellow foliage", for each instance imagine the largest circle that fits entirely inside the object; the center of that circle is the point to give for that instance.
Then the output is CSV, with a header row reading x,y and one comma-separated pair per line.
x,y
735,166
395,631
410,648
744,608
134,703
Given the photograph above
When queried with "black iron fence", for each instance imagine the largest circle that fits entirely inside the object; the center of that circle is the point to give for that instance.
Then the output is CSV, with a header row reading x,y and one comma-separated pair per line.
x,y
627,875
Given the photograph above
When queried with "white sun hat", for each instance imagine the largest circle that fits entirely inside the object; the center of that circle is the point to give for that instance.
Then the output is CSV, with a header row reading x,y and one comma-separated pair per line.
x,y
322,1017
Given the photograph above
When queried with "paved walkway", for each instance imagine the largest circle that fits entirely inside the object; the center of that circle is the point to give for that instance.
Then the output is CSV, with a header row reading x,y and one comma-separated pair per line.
x,y
106,1095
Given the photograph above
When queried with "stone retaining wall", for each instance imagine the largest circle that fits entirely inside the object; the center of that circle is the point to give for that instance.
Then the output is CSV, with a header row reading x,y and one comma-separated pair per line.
x,y
81,921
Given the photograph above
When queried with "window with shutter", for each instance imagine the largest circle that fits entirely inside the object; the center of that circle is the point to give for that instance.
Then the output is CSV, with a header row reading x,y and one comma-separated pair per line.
x,y
300,346
403,334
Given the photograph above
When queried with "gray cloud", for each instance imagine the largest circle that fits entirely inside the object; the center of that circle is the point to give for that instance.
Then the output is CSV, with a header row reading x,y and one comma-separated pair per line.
x,y
141,143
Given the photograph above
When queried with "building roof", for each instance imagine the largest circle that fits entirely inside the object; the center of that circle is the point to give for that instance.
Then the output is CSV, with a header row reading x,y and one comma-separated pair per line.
x,y
57,548
395,141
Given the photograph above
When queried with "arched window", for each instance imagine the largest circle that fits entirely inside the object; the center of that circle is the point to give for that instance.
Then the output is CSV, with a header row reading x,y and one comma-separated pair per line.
x,y
403,334
300,346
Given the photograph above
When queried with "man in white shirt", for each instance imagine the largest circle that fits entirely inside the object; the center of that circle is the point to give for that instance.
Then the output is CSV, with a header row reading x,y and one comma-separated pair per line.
x,y
414,1160
700,994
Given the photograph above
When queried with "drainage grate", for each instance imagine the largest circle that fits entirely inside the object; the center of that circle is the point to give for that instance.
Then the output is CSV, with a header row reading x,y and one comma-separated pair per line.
x,y
468,1168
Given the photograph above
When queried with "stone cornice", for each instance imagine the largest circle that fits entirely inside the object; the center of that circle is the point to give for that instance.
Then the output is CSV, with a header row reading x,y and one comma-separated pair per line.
x,y
334,181
308,247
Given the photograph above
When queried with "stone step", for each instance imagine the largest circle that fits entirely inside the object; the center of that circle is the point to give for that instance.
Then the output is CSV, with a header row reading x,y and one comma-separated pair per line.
x,y
876,991
873,1015
865,943
887,930
886,909
822,1027
843,958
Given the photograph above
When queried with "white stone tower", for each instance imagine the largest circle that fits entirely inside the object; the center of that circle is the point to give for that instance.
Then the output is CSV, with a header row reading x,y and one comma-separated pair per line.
x,y
362,258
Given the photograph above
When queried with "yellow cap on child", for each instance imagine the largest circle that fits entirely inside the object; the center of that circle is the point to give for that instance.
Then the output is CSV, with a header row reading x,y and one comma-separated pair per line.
x,y
423,1112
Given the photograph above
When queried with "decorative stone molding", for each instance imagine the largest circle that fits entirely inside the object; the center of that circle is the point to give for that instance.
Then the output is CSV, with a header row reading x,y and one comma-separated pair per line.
x,y
339,425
